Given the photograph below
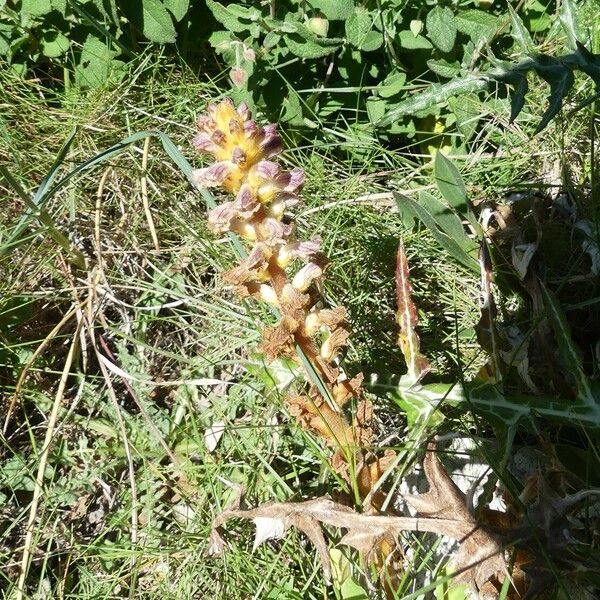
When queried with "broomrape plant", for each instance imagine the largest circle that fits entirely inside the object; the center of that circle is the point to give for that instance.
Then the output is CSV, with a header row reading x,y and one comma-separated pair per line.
x,y
264,192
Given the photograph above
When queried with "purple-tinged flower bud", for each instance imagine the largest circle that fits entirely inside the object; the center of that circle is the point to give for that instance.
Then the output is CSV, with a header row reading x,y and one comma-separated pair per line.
x,y
273,231
244,111
251,129
214,175
221,217
306,249
218,137
238,156
238,76
296,181
266,170
306,275
271,142
249,54
246,199
204,143
205,123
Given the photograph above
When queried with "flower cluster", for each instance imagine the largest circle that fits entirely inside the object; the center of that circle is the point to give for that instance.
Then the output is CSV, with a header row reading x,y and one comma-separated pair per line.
x,y
286,273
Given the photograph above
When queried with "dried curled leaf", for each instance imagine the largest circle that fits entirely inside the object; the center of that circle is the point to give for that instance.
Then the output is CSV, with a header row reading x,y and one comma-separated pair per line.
x,y
406,315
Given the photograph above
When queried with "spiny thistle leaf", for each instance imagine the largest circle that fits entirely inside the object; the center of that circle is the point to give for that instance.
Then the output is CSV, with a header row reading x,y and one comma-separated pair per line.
x,y
406,315
558,72
570,353
561,80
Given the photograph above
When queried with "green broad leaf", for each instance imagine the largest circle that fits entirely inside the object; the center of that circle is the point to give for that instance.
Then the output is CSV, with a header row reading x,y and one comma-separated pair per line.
x,y
4,46
95,63
372,42
271,40
561,80
351,590
306,44
454,249
467,114
447,220
410,41
227,17
477,24
435,94
36,8
568,350
375,109
291,108
54,43
359,30
393,84
443,68
157,23
336,10
60,6
520,33
221,41
450,183
178,8
441,28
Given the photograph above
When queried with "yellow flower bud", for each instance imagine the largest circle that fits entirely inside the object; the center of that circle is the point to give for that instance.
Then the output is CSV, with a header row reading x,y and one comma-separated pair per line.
x,y
284,256
312,323
268,294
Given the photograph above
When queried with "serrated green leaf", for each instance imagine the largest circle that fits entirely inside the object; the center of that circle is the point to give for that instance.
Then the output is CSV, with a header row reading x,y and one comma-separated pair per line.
x,y
510,410
336,10
413,42
467,114
271,40
178,8
477,24
157,23
436,94
520,33
36,8
54,43
441,28
444,68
